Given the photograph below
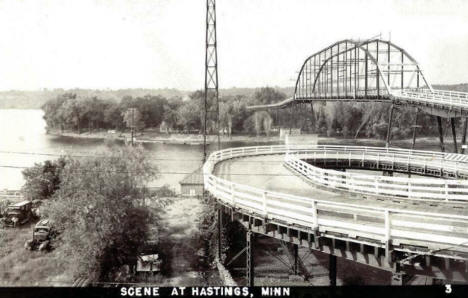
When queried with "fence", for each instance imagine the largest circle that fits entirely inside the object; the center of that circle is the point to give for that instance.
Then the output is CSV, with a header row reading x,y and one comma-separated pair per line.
x,y
414,188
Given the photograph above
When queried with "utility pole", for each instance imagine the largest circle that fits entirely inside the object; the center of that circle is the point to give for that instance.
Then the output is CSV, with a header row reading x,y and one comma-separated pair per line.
x,y
211,70
133,123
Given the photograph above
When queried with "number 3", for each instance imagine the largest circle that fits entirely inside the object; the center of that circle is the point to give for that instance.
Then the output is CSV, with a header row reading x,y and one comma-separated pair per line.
x,y
448,289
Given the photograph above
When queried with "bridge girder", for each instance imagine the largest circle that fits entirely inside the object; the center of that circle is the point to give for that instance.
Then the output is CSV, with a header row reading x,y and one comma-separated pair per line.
x,y
351,69
374,70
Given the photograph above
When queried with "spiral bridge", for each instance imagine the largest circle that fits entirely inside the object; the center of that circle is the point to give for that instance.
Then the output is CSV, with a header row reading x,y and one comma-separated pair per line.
x,y
412,220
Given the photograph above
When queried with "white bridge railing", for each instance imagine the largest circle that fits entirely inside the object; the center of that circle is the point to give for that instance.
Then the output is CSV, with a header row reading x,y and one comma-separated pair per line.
x,y
414,188
399,225
441,97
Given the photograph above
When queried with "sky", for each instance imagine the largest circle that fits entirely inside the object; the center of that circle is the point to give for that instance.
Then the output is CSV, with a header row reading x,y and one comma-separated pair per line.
x,y
160,43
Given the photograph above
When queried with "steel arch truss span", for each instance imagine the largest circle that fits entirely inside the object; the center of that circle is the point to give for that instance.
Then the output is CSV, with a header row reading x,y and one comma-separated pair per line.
x,y
372,70
349,70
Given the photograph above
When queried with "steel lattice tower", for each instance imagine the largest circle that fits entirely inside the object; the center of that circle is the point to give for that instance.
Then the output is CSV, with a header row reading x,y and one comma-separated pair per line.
x,y
211,71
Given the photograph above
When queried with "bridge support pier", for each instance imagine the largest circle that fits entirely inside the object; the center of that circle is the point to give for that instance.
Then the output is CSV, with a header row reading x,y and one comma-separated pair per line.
x,y
250,274
463,142
389,127
332,270
220,234
296,259
454,134
441,133
415,126
397,279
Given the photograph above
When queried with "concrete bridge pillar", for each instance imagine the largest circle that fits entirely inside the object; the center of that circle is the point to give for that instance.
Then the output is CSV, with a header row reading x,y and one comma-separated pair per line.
x,y
454,134
441,133
296,258
332,270
415,126
250,274
220,233
389,127
397,279
463,142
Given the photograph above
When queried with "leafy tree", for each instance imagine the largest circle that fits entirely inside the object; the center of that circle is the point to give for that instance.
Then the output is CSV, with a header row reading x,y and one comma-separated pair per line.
x,y
321,121
72,111
113,116
133,119
43,179
171,117
52,110
239,113
189,115
225,117
99,211
268,95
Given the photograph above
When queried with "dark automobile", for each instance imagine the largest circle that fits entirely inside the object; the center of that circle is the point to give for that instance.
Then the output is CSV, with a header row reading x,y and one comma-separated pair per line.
x,y
42,234
18,214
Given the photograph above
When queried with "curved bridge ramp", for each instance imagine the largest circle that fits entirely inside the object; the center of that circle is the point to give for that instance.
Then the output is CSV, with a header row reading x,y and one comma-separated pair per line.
x,y
423,237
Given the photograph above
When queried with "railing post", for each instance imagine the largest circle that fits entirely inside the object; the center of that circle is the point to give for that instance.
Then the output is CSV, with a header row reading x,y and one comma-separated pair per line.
x,y
387,226
408,166
233,195
441,168
409,189
446,190
314,215
376,184
264,199
388,236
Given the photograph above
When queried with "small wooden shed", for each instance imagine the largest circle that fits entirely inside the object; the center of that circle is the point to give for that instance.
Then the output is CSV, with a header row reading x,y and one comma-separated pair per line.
x,y
192,184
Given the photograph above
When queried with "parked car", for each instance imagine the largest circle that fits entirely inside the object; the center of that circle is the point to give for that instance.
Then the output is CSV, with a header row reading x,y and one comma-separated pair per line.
x,y
148,264
18,214
42,234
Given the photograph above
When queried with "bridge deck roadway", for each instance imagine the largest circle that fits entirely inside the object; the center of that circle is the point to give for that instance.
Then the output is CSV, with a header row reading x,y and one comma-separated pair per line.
x,y
342,230
267,172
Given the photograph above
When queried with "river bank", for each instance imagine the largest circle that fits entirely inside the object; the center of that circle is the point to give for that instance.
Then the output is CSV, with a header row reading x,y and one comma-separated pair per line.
x,y
163,138
422,143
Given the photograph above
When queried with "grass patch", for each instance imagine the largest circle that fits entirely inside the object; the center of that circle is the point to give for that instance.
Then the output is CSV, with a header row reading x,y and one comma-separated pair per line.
x,y
21,267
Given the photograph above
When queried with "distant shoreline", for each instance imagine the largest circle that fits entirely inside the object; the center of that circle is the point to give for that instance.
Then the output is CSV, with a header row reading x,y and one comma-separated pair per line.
x,y
153,137
196,139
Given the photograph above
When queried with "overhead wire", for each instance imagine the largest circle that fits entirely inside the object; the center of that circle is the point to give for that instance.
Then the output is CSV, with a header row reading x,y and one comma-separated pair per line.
x,y
164,172
94,155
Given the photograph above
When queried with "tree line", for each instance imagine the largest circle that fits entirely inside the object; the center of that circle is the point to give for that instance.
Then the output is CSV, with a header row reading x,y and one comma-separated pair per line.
x,y
335,119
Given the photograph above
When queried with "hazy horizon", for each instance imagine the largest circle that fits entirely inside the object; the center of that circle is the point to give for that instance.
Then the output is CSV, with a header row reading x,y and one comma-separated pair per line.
x,y
105,44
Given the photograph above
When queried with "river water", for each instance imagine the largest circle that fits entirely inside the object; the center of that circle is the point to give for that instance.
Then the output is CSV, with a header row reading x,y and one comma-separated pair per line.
x,y
24,141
